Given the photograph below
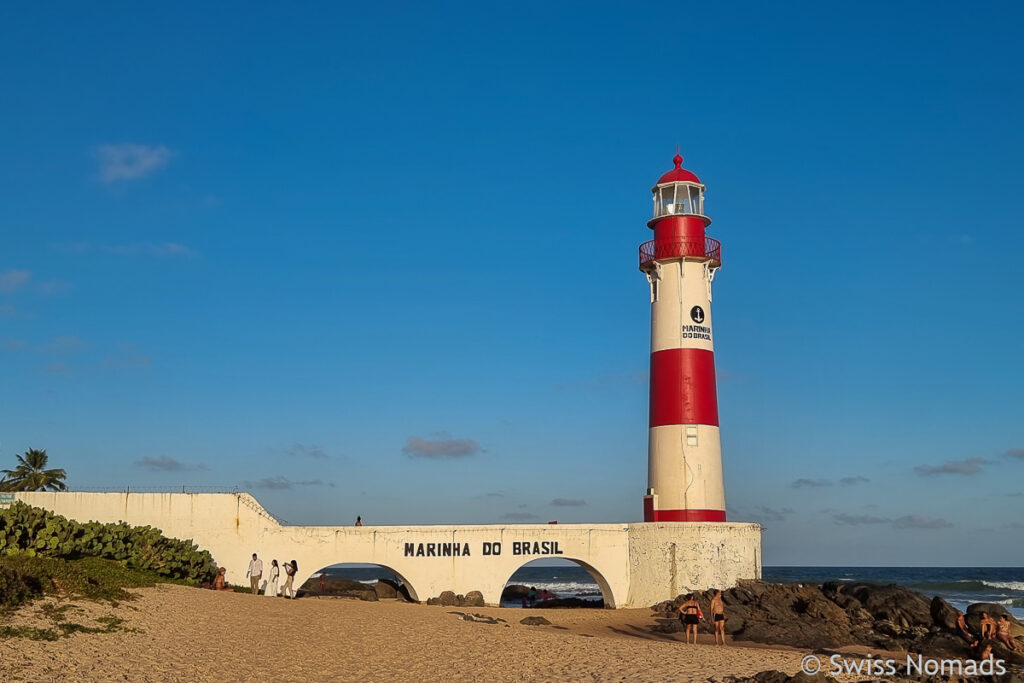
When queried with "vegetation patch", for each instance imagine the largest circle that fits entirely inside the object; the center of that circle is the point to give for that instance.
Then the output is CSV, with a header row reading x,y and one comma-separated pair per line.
x,y
34,531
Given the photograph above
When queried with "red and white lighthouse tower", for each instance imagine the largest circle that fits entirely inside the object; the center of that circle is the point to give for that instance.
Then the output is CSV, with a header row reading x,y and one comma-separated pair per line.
x,y
684,476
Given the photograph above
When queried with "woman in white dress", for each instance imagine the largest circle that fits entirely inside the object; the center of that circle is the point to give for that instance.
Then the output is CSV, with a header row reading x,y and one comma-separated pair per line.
x,y
275,574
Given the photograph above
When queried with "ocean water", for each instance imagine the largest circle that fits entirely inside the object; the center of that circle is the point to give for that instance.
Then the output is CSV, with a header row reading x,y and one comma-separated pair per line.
x,y
960,586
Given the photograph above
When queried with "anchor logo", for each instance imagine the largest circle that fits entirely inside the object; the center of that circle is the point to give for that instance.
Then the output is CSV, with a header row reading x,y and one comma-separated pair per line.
x,y
697,314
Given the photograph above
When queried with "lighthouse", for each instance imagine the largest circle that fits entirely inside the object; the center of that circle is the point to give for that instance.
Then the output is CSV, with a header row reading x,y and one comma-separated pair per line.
x,y
684,458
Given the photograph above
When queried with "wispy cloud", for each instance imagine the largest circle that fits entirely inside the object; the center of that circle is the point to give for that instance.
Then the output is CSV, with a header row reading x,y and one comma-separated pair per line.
x,y
770,514
853,481
298,450
442,447
127,357
519,516
154,249
129,161
858,520
1016,453
58,368
283,483
568,502
166,464
14,279
13,345
916,522
810,483
904,522
966,466
159,250
64,344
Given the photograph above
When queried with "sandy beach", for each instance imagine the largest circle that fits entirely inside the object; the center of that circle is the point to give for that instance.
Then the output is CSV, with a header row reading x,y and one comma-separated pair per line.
x,y
178,633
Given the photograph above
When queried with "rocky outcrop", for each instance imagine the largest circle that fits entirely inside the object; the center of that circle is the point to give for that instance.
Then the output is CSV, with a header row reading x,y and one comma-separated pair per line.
x,y
837,614
450,599
339,588
514,591
568,602
534,621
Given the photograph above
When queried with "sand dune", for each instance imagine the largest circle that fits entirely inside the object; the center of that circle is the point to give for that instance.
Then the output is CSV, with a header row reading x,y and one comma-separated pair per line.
x,y
195,635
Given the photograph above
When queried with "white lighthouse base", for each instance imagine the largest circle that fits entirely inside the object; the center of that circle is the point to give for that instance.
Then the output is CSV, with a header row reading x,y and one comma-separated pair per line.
x,y
635,565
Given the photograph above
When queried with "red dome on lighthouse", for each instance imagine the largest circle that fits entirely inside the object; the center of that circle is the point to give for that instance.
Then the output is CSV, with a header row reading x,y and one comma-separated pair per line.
x,y
678,174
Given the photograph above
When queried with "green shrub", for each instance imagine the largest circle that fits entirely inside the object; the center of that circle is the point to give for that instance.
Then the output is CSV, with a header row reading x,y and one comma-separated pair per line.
x,y
34,531
16,587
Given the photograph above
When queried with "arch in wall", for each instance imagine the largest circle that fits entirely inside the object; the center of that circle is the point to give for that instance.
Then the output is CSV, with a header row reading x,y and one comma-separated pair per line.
x,y
308,582
602,583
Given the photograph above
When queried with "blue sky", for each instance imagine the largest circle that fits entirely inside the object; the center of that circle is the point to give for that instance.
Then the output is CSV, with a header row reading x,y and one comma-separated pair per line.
x,y
382,261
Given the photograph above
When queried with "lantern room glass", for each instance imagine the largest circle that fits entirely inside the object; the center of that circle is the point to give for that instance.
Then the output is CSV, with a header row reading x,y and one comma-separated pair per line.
x,y
678,199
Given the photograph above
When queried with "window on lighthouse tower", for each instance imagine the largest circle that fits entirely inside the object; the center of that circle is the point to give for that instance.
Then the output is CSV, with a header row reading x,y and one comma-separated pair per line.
x,y
676,199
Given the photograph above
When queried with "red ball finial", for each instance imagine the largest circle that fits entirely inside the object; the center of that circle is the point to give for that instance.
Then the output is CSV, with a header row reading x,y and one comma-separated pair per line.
x,y
678,160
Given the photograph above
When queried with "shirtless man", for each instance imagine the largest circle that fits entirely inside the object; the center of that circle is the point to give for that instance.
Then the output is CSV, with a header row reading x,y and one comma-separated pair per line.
x,y
689,612
988,626
1003,634
961,624
718,617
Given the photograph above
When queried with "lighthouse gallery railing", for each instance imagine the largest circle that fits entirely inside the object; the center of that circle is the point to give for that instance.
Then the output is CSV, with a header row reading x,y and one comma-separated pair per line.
x,y
697,248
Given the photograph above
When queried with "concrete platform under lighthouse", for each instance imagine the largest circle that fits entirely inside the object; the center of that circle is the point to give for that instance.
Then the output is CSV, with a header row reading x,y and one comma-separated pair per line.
x,y
635,564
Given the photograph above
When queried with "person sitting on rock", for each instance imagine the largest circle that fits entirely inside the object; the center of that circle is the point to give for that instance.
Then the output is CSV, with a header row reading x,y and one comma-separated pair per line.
x,y
988,626
1003,634
961,625
219,583
690,614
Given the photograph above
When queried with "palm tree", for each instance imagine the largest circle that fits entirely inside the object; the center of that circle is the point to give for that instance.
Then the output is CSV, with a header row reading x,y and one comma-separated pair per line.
x,y
31,474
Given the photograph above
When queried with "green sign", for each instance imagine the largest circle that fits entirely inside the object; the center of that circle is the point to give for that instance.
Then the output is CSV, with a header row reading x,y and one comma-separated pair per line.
x,y
6,498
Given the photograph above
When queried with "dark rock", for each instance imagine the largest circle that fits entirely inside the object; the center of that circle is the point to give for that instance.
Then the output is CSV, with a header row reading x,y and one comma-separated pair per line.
x,y
901,606
447,599
473,599
342,588
481,619
450,599
835,615
995,611
943,614
514,592
385,591
534,621
569,602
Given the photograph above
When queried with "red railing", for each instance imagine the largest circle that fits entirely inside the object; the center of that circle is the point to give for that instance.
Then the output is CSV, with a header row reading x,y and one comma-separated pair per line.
x,y
694,248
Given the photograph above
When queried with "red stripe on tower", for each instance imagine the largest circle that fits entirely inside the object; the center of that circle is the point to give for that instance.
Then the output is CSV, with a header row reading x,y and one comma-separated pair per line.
x,y
683,388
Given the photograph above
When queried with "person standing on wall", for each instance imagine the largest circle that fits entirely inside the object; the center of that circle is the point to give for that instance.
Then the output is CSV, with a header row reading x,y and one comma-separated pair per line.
x,y
255,573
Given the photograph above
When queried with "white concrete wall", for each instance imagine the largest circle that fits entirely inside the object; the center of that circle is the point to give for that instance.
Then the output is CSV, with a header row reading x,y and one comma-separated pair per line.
x,y
635,565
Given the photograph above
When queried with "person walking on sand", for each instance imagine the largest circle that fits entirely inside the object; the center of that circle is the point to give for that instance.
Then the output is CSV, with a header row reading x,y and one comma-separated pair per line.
x,y
290,569
255,574
690,614
718,617
275,574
